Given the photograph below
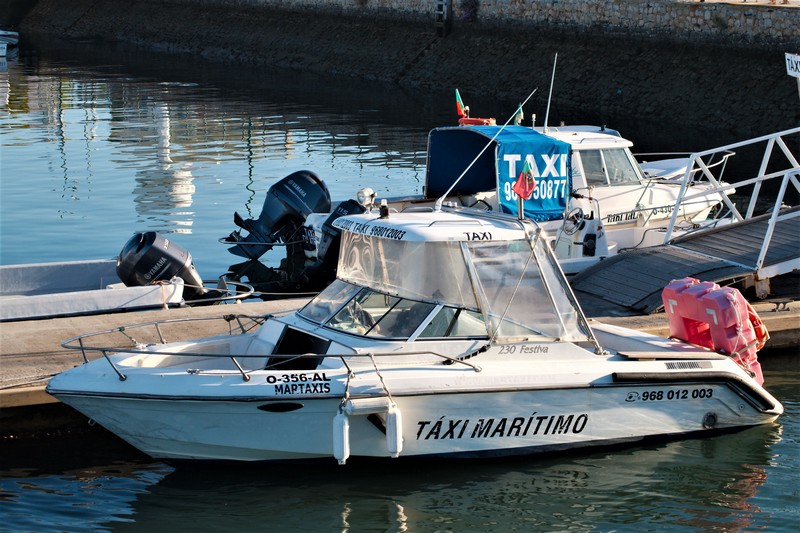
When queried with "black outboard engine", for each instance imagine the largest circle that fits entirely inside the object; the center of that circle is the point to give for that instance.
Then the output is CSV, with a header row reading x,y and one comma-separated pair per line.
x,y
150,257
286,207
319,274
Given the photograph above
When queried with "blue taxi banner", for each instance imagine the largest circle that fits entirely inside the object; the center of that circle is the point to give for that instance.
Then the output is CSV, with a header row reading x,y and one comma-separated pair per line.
x,y
452,149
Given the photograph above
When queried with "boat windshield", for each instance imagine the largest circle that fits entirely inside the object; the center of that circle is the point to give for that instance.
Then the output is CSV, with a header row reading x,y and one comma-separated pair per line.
x,y
502,289
364,311
610,166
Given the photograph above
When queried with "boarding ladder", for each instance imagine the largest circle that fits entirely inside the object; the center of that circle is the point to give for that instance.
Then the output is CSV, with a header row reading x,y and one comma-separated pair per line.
x,y
784,167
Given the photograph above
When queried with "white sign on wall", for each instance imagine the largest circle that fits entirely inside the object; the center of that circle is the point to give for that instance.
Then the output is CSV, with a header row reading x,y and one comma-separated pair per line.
x,y
793,65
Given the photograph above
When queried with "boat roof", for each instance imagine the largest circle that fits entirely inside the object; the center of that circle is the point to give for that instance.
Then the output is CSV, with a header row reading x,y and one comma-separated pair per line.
x,y
447,225
587,137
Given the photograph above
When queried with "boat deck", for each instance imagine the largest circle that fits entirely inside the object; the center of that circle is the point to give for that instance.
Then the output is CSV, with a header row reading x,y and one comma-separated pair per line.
x,y
30,351
631,282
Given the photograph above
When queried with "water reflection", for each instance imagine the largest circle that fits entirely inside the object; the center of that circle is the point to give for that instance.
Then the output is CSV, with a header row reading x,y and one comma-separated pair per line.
x,y
705,485
166,189
89,480
83,500
192,153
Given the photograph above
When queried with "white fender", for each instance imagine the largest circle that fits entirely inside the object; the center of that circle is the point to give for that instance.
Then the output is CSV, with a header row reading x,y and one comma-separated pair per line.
x,y
341,437
394,431
367,406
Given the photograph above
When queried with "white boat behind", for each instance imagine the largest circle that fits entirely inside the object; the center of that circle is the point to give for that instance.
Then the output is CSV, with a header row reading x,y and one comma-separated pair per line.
x,y
9,37
448,332
8,40
48,290
151,272
591,197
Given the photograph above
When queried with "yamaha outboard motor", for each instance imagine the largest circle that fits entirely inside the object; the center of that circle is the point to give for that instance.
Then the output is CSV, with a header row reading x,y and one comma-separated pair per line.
x,y
286,207
150,257
323,271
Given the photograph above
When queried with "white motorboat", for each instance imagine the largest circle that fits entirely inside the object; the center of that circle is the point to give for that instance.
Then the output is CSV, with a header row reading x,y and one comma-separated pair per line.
x,y
448,332
70,288
151,272
8,40
590,196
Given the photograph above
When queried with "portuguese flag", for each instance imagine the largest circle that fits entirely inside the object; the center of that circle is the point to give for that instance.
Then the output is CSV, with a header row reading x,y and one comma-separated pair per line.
x,y
525,183
460,106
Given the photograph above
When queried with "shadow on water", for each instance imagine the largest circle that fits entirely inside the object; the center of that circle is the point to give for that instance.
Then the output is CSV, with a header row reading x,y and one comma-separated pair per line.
x,y
695,483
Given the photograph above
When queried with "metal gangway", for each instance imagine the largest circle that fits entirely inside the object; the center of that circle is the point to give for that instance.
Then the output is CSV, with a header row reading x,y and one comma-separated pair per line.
x,y
751,244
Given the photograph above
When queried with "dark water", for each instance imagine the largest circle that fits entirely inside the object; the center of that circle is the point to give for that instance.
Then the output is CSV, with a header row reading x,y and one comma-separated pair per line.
x,y
96,144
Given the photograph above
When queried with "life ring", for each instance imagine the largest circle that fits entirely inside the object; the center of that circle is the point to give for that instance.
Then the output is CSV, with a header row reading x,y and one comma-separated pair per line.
x,y
762,335
469,121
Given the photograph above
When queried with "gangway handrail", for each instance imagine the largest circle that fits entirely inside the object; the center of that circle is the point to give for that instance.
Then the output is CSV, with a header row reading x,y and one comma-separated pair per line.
x,y
773,219
697,163
698,168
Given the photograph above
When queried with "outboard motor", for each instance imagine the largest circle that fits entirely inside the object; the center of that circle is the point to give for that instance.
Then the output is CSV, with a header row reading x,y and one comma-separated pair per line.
x,y
286,207
323,270
150,257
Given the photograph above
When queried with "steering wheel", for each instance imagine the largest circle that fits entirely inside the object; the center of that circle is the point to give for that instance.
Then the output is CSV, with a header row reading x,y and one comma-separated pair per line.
x,y
574,221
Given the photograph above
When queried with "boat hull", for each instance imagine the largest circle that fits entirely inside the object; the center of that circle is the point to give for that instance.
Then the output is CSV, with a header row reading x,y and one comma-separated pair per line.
x,y
491,423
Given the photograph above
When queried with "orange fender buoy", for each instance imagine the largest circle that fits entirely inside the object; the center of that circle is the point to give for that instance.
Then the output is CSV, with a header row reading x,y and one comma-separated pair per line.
x,y
470,121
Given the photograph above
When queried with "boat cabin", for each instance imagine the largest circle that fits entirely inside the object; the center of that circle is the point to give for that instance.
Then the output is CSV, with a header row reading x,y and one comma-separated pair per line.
x,y
446,275
563,161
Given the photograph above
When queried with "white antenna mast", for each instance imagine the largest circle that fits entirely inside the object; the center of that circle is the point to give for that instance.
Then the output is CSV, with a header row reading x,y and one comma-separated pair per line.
x,y
550,96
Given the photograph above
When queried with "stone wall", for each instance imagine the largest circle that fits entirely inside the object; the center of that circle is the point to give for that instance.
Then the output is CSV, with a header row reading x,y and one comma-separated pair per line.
x,y
756,22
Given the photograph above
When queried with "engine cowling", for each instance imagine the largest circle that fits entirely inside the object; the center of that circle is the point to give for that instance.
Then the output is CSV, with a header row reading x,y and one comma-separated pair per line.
x,y
150,257
286,207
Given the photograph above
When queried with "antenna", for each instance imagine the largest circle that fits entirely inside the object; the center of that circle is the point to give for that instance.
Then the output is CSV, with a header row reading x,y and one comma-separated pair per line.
x,y
550,96
438,205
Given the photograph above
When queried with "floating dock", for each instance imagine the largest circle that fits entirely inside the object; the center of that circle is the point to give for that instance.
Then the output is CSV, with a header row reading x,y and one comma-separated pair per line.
x,y
31,352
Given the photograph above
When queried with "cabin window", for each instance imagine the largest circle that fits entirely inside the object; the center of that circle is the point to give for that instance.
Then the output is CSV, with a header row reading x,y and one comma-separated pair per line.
x,y
364,311
422,271
608,167
593,168
450,322
521,299
619,166
402,320
442,324
327,302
